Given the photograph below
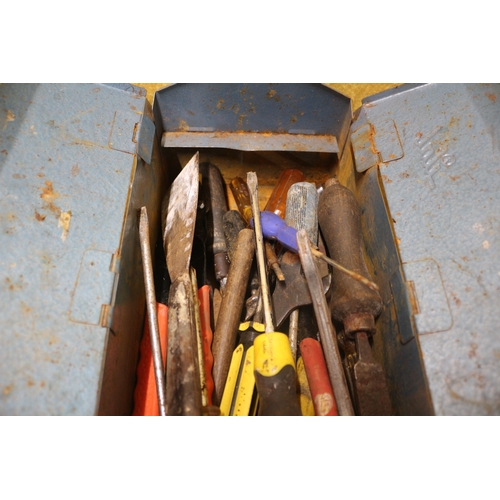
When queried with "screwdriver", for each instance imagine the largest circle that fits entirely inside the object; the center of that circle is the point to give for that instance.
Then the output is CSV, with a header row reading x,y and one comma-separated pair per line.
x,y
274,370
275,228
239,397
242,197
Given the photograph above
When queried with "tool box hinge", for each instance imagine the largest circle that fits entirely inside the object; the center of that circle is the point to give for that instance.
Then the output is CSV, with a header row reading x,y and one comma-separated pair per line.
x,y
143,136
375,143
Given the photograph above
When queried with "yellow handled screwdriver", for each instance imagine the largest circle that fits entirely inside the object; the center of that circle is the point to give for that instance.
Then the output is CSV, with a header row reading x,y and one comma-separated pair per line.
x,y
274,368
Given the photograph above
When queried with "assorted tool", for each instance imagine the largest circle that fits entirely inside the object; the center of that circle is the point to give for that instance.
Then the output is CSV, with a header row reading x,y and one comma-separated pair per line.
x,y
220,363
275,375
183,389
351,303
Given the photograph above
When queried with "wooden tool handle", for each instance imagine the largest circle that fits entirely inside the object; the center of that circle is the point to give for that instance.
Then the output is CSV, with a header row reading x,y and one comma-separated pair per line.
x,y
226,329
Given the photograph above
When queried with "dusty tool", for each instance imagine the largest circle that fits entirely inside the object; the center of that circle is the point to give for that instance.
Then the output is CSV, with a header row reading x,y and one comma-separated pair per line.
x,y
151,309
326,329
218,209
275,228
275,375
226,329
240,397
317,376
178,217
351,303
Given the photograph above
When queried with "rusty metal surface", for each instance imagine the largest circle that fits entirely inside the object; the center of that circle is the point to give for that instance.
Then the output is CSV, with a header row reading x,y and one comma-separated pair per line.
x,y
65,176
251,141
283,108
444,204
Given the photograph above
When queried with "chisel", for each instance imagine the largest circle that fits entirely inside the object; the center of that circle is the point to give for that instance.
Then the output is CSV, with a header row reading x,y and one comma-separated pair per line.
x,y
275,375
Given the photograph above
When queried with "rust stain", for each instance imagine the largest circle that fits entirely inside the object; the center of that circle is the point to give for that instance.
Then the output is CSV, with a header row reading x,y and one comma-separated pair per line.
x,y
454,177
240,119
271,94
42,383
10,118
458,302
491,97
496,354
75,170
371,137
30,383
25,309
4,151
40,174
183,126
404,175
7,389
39,217
473,350
19,176
386,179
220,104
48,195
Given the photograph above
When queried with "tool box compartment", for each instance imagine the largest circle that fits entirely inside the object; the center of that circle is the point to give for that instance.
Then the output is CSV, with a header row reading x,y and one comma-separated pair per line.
x,y
79,161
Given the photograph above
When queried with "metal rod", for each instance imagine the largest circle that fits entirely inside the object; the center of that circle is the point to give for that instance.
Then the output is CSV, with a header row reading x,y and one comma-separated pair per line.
x,y
253,188
293,331
199,341
152,313
326,329
370,284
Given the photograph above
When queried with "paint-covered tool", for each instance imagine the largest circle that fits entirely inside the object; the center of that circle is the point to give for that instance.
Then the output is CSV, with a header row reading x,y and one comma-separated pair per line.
x,y
183,392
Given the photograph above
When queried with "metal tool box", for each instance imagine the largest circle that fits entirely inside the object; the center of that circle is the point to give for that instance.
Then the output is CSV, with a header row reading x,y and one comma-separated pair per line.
x,y
78,161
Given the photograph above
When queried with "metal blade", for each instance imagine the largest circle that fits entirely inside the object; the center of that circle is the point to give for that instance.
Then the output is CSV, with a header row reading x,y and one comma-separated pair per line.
x,y
179,218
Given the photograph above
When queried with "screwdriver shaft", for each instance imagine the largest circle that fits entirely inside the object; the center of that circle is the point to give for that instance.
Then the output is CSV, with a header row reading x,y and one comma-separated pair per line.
x,y
259,240
151,308
326,329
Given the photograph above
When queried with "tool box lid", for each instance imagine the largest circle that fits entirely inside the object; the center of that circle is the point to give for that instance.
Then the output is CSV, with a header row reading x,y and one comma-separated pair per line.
x,y
68,154
437,150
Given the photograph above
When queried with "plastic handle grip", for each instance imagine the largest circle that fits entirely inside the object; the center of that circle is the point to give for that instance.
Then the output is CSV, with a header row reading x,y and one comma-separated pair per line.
x,y
207,336
275,228
277,200
145,398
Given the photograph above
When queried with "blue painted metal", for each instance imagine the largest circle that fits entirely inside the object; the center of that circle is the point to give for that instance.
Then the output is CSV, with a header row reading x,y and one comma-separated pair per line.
x,y
442,195
67,161
307,109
